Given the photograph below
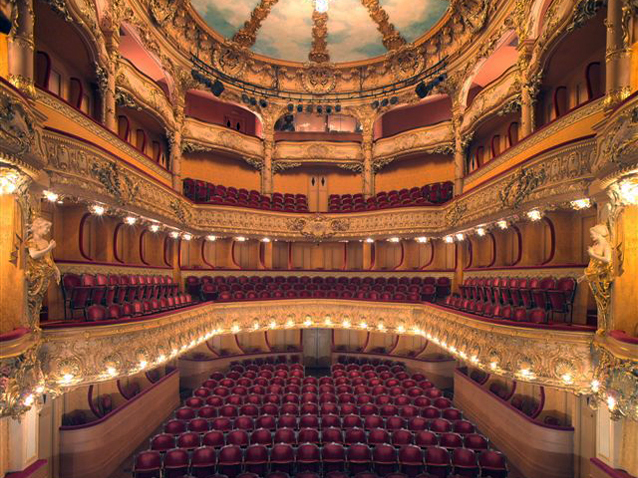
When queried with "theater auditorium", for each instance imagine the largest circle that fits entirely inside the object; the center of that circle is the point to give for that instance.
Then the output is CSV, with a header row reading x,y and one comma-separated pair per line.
x,y
318,238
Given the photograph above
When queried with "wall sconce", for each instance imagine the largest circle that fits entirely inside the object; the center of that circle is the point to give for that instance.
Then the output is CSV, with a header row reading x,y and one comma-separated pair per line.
x,y
421,240
187,237
211,238
130,220
460,237
154,228
480,231
369,240
241,239
448,239
579,204
50,196
394,239
265,239
535,215
502,224
97,209
174,234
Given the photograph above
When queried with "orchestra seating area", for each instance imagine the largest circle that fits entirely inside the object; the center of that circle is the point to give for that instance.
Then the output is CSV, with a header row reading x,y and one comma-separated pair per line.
x,y
400,289
522,300
101,297
207,193
366,419
428,195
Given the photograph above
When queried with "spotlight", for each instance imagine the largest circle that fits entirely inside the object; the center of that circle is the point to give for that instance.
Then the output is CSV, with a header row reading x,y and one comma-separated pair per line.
x,y
338,108
291,107
130,220
375,104
394,100
50,196
299,108
253,101
309,109
245,98
319,109
263,103
329,110
384,102
97,209
421,90
217,88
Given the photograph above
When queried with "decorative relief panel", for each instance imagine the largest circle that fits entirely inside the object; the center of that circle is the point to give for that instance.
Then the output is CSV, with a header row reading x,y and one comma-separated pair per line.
x,y
320,151
429,139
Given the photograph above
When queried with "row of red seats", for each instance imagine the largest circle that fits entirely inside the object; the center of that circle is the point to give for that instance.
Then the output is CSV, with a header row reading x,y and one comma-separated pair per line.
x,y
358,459
205,192
504,312
94,313
430,194
404,289
547,294
81,291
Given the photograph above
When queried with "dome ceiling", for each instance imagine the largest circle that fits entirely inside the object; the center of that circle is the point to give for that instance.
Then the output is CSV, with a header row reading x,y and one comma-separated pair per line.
x,y
292,30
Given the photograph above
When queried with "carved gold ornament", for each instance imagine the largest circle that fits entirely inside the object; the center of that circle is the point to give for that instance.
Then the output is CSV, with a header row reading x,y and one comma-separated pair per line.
x,y
318,227
318,79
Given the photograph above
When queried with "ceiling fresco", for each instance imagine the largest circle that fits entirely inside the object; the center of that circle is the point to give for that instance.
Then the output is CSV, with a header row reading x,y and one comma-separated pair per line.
x,y
286,33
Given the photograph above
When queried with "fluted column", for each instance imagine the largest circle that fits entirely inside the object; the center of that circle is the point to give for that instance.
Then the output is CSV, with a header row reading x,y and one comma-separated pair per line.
x,y
21,49
269,149
618,52
368,167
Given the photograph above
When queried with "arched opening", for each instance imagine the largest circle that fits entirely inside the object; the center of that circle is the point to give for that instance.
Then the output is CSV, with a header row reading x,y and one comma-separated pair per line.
x,y
42,69
432,110
317,124
205,107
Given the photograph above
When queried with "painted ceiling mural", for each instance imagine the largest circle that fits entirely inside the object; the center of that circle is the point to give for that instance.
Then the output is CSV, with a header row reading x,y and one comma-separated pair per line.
x,y
286,33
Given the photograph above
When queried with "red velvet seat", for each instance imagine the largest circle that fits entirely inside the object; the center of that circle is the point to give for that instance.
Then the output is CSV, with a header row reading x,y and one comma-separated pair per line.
x,y
333,456
331,435
308,435
355,435
162,442
359,457
437,461
229,460
148,464
377,436
261,436
493,464
385,459
203,461
282,457
214,438
308,457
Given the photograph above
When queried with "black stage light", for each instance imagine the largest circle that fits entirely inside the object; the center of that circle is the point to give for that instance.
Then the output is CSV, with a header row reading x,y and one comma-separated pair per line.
x,y
319,109
384,102
394,100
329,109
253,101
291,107
338,108
375,104
309,109
299,108
217,88
421,90
245,98
263,103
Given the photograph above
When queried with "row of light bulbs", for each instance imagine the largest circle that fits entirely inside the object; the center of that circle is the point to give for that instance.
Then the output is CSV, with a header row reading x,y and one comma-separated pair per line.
x,y
524,373
533,215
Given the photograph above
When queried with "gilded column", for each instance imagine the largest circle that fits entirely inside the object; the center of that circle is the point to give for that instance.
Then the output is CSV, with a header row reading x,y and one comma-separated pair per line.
x,y
269,150
106,77
21,48
529,86
368,166
618,52
459,149
174,137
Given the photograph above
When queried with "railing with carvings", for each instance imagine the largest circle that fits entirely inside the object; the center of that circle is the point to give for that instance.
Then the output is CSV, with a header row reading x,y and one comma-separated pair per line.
x,y
346,155
499,97
136,90
84,353
200,136
436,138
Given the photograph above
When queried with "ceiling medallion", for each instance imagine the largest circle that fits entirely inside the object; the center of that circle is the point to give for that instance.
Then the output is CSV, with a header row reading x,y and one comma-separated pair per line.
x,y
319,78
405,62
231,59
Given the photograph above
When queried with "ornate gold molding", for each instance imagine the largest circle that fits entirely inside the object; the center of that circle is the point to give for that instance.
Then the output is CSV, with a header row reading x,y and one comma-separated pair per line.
x,y
319,51
392,39
247,35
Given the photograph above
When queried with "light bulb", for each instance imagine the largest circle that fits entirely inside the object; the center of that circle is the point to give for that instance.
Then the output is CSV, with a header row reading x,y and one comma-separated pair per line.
x,y
174,234
321,6
448,239
187,237
502,224
421,240
480,231
595,385
581,204
130,220
154,228
241,239
112,371
369,240
28,400
394,239
346,324
265,239
211,238
50,196
629,191
401,329
460,237
535,215
97,209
